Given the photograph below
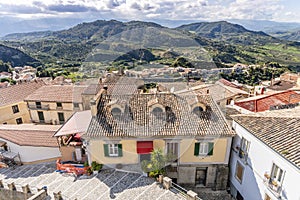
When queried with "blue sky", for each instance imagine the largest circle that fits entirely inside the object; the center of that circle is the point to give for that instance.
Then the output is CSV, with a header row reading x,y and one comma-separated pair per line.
x,y
210,10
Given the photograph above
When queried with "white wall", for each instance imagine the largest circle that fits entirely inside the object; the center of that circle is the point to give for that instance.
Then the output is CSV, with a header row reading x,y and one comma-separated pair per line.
x,y
32,154
260,160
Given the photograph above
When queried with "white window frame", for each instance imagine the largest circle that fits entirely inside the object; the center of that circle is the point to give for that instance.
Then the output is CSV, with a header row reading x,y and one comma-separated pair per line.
x,y
173,147
203,149
245,145
236,170
113,150
277,173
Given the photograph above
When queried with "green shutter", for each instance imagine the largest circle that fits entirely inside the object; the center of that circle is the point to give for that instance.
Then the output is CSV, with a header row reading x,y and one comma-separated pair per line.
x,y
196,149
210,148
120,152
105,146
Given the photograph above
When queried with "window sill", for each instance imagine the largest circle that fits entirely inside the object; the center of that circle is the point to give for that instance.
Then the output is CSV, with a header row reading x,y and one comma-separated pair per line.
x,y
113,156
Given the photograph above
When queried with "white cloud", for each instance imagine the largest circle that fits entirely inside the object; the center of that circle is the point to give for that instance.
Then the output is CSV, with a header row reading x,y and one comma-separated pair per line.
x,y
144,9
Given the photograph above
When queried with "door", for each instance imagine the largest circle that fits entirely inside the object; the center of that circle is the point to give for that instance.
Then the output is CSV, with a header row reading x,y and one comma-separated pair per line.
x,y
201,176
239,196
61,118
145,157
41,117
172,151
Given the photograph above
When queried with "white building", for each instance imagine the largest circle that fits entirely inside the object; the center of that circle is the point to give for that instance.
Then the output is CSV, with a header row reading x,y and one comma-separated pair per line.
x,y
265,160
31,143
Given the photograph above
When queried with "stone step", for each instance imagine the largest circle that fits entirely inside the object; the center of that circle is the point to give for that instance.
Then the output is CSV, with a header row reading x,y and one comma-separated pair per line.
x,y
93,187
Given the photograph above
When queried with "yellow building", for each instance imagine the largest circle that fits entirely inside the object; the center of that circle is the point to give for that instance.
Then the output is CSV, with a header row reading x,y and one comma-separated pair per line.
x,y
129,124
54,104
13,108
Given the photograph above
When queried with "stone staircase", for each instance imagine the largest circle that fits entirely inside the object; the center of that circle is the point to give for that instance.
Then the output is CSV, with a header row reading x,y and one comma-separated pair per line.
x,y
107,184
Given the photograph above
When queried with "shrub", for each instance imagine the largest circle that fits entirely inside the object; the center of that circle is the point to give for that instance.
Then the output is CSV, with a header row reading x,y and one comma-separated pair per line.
x,y
96,166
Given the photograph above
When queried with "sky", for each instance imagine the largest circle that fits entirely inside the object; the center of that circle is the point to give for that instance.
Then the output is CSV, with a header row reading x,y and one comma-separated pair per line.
x,y
154,10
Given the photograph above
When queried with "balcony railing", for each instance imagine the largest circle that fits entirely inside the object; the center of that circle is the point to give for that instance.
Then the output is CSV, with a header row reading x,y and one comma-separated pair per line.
x,y
39,107
272,185
42,121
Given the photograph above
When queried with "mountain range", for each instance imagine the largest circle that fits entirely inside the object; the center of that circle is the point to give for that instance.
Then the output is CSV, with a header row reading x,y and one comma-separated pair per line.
x,y
225,43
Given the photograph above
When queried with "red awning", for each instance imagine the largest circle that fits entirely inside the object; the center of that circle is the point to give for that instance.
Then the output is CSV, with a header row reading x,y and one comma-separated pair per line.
x,y
144,147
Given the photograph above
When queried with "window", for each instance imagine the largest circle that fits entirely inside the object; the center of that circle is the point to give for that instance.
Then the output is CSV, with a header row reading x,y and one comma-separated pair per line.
x,y
198,110
59,105
200,178
38,104
15,109
113,150
19,121
116,112
239,171
203,148
245,144
61,118
172,151
159,113
276,174
41,117
76,105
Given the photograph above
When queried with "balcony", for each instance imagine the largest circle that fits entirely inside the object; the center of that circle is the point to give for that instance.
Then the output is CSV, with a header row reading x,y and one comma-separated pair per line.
x,y
41,121
272,185
39,107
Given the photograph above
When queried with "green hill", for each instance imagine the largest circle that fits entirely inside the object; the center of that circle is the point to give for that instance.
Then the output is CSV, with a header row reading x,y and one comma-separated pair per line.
x,y
225,43
16,57
225,31
288,35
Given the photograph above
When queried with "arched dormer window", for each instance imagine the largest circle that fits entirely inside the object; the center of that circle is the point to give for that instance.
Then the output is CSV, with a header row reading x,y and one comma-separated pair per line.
x,y
198,109
116,112
158,111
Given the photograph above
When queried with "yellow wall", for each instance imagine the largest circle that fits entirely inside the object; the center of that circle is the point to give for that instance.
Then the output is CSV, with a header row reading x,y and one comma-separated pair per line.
x,y
159,144
51,115
7,115
129,153
187,151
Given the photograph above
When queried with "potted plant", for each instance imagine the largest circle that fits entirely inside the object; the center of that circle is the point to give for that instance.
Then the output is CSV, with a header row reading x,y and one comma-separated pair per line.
x,y
96,167
267,176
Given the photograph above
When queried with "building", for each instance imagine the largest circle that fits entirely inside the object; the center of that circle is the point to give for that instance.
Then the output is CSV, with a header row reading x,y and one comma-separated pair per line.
x,y
31,143
273,101
13,108
54,104
128,124
69,136
265,159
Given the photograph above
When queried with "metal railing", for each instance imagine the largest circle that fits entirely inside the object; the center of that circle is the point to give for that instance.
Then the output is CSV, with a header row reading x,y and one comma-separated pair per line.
x,y
182,191
39,107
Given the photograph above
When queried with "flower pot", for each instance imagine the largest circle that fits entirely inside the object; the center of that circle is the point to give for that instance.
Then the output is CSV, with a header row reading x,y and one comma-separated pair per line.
x,y
95,172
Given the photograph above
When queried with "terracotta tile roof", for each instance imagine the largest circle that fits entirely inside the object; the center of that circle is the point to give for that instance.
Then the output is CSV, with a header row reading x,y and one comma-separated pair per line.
x,y
138,118
262,104
57,93
17,93
24,135
280,133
